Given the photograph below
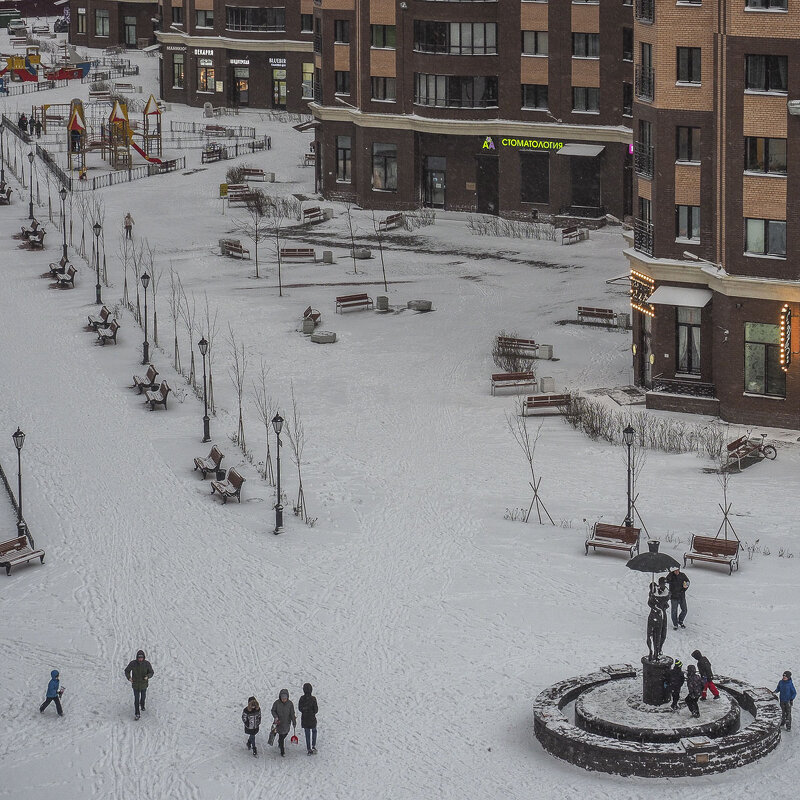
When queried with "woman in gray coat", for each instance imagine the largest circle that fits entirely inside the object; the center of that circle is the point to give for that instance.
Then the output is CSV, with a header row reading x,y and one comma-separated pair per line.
x,y
283,717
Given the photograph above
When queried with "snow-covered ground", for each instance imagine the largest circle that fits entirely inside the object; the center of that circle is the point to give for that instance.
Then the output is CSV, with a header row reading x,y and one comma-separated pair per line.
x,y
426,622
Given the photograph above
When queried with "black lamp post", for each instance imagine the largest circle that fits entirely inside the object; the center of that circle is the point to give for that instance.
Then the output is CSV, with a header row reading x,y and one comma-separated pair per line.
x,y
30,206
2,153
97,227
627,437
19,439
277,424
63,194
203,347
146,345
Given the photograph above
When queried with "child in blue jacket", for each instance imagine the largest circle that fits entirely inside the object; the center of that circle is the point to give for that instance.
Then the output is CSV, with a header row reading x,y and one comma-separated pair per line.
x,y
53,694
786,694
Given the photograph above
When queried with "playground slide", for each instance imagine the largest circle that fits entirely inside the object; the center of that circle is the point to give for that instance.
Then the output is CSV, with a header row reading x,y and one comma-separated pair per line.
x,y
144,155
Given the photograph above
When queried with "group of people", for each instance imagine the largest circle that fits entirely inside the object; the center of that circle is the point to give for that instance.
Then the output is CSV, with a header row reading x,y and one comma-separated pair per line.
x,y
699,681
32,125
283,718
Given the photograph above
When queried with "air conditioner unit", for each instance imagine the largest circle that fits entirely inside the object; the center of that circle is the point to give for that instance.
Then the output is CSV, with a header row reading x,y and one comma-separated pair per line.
x,y
794,107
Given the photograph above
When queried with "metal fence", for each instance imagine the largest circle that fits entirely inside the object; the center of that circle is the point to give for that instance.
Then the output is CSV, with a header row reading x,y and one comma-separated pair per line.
x,y
238,131
15,89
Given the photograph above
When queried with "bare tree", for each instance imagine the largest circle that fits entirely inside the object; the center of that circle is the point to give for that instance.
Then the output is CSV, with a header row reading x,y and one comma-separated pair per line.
x,y
211,337
155,279
267,408
175,292
379,237
237,374
137,254
124,254
509,357
188,312
297,440
348,210
277,211
518,425
254,225
724,477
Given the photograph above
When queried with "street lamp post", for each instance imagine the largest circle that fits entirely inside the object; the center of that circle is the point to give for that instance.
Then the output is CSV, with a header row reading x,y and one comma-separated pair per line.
x,y
63,194
203,347
19,439
146,344
277,424
627,437
97,227
2,153
30,206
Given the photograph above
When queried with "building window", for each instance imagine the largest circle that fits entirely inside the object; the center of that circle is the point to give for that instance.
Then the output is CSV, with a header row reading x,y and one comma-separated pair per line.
x,y
778,5
243,18
765,237
205,19
762,367
534,43
177,71
384,88
765,155
341,31
177,15
308,80
687,222
688,64
81,21
456,38
688,340
627,44
534,95
455,91
343,158
766,73
342,81
100,22
205,75
384,36
627,99
384,167
534,177
306,23
585,98
586,45
687,143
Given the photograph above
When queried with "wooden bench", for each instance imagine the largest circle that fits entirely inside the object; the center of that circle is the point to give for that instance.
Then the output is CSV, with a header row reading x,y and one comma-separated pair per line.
x,y
149,380
233,247
218,130
311,215
253,174
18,551
99,94
108,334
613,537
302,253
159,397
353,301
34,229
210,463
36,239
522,346
213,152
745,447
58,269
103,320
309,159
717,551
312,313
66,278
559,402
392,221
589,312
571,234
506,380
242,198
5,197
126,88
231,487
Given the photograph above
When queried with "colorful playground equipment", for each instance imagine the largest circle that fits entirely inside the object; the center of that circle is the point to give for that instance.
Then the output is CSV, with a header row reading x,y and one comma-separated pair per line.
x,y
22,68
77,137
117,135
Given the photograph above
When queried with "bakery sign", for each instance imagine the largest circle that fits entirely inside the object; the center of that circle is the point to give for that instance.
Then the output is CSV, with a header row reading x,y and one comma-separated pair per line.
x,y
204,52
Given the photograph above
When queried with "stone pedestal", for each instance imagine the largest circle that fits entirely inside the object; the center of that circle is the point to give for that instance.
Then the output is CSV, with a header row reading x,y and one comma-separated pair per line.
x,y
547,385
361,252
654,675
323,337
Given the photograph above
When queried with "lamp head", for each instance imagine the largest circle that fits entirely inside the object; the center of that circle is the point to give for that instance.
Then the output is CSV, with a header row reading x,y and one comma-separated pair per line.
x,y
627,436
277,423
30,157
19,438
63,192
145,280
97,227
691,256
203,346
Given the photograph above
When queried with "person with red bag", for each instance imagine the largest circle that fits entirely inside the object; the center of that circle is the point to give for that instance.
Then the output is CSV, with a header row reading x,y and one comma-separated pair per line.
x,y
283,717
308,717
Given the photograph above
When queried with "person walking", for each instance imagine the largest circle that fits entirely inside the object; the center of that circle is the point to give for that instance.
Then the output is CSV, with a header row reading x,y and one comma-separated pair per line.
x,y
139,672
38,124
786,694
704,668
54,692
678,584
308,717
128,223
675,681
251,717
283,717
23,122
694,686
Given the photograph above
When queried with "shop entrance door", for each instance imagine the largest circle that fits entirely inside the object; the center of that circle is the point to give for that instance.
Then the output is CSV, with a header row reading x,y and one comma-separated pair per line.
x,y
241,86
487,184
434,179
279,88
129,24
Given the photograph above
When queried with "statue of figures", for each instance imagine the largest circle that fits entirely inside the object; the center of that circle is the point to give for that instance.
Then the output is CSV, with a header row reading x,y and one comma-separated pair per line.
x,y
657,619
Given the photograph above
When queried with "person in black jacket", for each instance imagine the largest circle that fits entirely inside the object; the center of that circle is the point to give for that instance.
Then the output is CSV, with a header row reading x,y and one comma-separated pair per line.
x,y
694,685
704,668
675,682
307,705
139,672
678,584
251,717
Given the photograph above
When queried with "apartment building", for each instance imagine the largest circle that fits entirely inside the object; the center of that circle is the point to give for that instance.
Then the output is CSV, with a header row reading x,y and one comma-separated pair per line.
x,y
111,23
519,108
715,263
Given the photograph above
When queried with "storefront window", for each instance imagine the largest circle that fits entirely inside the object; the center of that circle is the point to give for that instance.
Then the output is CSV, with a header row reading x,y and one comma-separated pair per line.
x,y
762,368
100,22
308,80
384,167
343,154
688,341
205,75
81,21
178,80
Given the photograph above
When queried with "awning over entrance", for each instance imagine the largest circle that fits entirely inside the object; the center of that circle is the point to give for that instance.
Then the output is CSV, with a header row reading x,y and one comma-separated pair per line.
x,y
588,150
680,296
307,126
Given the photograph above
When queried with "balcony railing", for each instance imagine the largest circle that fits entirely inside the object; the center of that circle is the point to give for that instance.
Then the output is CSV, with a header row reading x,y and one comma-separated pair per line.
x,y
645,10
317,42
643,159
687,387
645,82
643,236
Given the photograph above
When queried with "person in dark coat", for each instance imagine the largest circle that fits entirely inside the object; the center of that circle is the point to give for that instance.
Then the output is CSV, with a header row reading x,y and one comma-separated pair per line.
x,y
38,124
283,717
786,694
251,717
678,584
308,717
694,686
139,672
23,122
54,693
675,682
704,668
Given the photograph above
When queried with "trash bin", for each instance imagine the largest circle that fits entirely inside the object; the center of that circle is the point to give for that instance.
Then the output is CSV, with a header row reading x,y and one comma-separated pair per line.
x,y
308,326
382,302
220,474
208,110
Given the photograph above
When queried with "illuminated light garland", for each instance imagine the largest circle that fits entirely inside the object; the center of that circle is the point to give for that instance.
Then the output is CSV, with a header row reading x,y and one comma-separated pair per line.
x,y
786,337
642,286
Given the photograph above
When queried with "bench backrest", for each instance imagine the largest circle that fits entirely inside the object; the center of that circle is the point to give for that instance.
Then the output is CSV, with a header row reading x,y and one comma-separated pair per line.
x,y
513,376
235,479
151,374
393,218
593,310
510,341
114,327
735,445
20,543
713,547
568,231
72,272
215,456
105,314
307,313
164,389
548,399
308,211
349,298
603,530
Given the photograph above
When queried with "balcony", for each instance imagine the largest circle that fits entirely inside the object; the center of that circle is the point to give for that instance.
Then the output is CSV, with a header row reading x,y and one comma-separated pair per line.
x,y
643,236
645,11
317,42
645,83
643,159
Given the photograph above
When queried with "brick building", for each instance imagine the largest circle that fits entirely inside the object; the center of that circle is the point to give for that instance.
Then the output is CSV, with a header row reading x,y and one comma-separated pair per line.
x,y
110,23
502,107
716,256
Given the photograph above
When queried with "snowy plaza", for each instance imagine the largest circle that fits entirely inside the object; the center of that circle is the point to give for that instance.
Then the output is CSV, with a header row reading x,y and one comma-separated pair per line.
x,y
426,614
